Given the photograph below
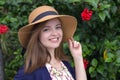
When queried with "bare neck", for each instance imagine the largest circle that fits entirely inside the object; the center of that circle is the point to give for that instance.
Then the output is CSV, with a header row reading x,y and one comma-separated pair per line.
x,y
53,59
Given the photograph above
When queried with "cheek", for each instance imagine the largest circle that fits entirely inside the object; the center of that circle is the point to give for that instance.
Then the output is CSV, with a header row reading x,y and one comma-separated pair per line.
x,y
42,38
61,32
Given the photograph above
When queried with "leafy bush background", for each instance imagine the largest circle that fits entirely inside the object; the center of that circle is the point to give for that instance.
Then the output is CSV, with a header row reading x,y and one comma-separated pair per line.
x,y
100,37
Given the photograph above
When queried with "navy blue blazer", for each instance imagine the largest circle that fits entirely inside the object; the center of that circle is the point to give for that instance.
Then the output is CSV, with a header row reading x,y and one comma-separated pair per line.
x,y
40,74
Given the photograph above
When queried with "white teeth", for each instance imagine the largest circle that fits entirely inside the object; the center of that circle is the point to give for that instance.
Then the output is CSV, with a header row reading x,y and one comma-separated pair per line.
x,y
54,39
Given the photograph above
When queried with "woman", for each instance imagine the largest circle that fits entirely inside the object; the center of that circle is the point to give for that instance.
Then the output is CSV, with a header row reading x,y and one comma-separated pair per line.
x,y
43,39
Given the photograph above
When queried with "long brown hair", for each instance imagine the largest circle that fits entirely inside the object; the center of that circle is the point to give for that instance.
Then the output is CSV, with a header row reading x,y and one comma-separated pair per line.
x,y
36,54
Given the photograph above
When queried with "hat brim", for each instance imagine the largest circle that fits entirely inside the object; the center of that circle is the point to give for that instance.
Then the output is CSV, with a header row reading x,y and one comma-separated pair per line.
x,y
69,24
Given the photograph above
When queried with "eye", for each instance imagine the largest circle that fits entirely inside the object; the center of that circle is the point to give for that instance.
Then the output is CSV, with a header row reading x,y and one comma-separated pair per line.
x,y
46,29
58,27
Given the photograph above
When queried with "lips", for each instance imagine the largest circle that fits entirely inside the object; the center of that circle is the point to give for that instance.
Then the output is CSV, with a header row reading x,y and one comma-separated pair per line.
x,y
54,39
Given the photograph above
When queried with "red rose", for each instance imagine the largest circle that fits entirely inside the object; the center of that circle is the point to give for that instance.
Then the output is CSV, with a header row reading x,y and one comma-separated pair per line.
x,y
86,14
3,29
85,63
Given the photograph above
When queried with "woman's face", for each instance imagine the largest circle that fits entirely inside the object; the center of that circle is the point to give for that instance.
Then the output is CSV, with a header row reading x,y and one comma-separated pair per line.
x,y
51,34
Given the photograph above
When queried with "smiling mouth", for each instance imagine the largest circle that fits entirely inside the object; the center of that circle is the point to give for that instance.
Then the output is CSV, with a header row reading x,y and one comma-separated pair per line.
x,y
54,39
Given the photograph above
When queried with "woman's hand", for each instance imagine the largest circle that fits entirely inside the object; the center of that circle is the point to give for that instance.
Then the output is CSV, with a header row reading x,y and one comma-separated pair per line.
x,y
76,51
75,48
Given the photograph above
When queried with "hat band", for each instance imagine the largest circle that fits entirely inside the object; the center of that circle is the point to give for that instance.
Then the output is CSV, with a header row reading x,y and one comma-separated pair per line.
x,y
44,14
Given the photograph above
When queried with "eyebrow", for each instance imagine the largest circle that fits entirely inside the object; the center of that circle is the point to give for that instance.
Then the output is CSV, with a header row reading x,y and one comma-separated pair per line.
x,y
49,26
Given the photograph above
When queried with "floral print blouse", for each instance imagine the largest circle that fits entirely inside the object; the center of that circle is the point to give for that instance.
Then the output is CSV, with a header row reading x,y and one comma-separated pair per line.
x,y
55,74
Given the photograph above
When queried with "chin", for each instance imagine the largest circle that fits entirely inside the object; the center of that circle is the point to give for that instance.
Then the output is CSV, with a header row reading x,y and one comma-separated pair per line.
x,y
53,46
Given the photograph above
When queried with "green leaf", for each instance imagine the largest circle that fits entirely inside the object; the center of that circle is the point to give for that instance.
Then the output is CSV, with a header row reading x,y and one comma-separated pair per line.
x,y
102,16
13,19
107,13
112,24
2,2
76,37
111,55
91,70
94,62
94,3
100,69
104,6
108,60
118,60
73,1
51,1
113,9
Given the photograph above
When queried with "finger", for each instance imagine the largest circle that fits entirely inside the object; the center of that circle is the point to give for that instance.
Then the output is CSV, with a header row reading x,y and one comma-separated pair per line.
x,y
70,43
76,44
72,39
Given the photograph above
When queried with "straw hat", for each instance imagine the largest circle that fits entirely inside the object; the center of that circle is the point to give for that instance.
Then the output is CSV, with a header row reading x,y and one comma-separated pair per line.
x,y
42,14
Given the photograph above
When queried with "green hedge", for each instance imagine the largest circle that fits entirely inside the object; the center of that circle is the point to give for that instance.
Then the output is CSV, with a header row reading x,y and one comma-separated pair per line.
x,y
100,36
